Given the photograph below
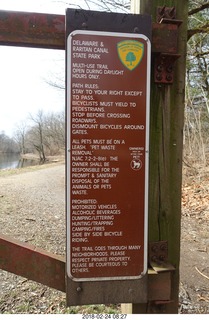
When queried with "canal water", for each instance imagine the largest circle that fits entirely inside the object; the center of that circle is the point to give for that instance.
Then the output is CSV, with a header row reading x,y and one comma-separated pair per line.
x,y
13,161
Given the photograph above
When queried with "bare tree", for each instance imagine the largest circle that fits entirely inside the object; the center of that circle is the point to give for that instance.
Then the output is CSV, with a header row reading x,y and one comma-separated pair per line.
x,y
54,132
20,136
103,5
197,89
37,134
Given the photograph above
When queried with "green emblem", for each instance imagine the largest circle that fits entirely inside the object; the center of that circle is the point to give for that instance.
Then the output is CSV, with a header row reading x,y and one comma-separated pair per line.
x,y
130,53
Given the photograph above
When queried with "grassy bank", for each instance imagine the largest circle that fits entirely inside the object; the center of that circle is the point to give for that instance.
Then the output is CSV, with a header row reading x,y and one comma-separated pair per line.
x,y
52,161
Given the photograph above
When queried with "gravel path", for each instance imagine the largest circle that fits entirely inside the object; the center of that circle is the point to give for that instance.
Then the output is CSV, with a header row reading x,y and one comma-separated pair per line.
x,y
32,209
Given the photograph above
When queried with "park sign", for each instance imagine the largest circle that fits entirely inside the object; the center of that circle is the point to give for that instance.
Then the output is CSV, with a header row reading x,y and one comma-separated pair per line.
x,y
108,75
107,164
108,142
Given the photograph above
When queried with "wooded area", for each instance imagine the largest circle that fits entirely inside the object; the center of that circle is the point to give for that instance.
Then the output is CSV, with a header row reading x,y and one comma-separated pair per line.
x,y
43,134
196,129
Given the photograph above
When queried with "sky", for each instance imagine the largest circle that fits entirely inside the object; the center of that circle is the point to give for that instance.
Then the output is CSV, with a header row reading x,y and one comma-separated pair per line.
x,y
24,72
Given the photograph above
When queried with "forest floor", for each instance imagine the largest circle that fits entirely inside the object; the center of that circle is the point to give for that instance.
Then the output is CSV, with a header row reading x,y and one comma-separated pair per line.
x,y
32,209
194,267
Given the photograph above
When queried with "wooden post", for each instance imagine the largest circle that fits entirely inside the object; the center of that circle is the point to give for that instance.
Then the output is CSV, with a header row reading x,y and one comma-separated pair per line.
x,y
166,144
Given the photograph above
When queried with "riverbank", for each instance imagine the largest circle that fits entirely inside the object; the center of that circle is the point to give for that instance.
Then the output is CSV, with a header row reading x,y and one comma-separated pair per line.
x,y
17,160
33,156
36,165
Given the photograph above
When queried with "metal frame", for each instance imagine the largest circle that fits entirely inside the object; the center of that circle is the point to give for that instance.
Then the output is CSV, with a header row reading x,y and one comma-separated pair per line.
x,y
48,31
31,262
49,269
40,30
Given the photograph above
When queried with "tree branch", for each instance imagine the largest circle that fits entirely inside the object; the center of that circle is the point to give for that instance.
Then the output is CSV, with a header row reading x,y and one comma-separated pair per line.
x,y
196,10
201,29
201,54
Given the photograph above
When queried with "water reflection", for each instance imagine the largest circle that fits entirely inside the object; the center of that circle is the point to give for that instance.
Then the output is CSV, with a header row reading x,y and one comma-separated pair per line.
x,y
13,161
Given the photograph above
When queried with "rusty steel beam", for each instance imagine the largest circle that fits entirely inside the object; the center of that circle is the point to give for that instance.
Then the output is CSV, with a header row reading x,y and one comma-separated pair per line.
x,y
164,38
38,265
41,30
27,29
33,263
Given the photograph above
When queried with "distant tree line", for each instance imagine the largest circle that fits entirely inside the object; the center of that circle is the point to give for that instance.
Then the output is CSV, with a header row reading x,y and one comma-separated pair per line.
x,y
7,144
42,134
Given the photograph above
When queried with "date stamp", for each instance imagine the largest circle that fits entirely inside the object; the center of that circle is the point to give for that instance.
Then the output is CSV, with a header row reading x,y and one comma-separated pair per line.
x,y
103,316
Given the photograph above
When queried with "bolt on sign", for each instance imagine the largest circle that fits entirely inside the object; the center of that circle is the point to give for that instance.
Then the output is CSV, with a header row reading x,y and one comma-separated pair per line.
x,y
108,75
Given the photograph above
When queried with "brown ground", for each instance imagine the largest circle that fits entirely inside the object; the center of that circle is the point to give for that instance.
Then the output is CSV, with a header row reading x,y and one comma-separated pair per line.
x,y
194,268
32,210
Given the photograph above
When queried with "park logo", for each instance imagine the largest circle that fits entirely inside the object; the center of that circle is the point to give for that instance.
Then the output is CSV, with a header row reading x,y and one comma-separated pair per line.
x,y
130,53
